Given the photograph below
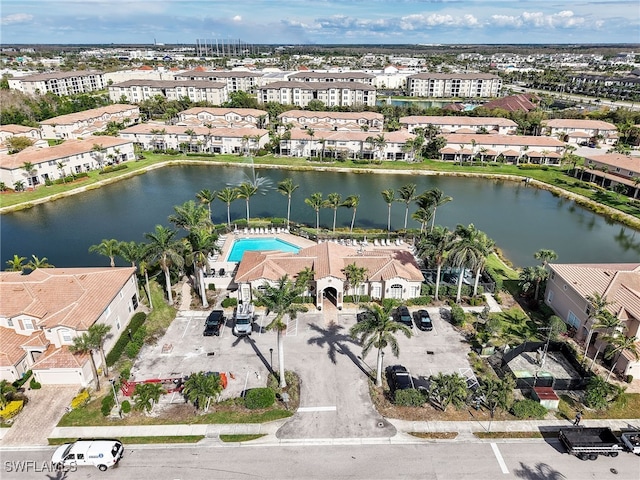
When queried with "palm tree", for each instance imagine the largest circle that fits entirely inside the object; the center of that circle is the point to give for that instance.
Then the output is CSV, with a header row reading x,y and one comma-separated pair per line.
x,y
422,216
532,277
206,197
597,305
145,395
436,199
131,252
610,323
448,388
202,242
286,188
246,190
438,245
497,393
60,166
304,278
545,256
228,195
333,201
485,248
620,344
36,262
98,154
16,264
29,168
279,299
165,250
354,277
108,248
84,344
407,194
18,186
378,331
144,269
315,202
464,252
200,388
380,143
97,334
352,201
190,216
311,133
389,197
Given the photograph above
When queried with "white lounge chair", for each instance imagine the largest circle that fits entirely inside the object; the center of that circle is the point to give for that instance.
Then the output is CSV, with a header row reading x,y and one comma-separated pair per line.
x,y
376,243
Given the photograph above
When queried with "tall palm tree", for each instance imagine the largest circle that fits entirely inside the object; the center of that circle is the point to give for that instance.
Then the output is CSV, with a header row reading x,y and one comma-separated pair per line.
x,y
145,395
29,168
107,248
315,202
621,343
378,331
485,248
407,194
202,242
200,388
436,252
333,201
286,187
144,270
60,166
98,333
36,262
355,276
380,142
352,201
597,305
304,278
389,196
206,197
130,251
228,195
532,277
545,256
311,134
16,264
246,190
164,249
190,216
609,322
89,342
464,253
422,216
279,300
437,199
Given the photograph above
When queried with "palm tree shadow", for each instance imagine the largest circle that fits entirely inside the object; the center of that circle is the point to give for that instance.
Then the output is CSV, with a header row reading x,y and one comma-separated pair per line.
x,y
336,342
539,471
58,475
259,354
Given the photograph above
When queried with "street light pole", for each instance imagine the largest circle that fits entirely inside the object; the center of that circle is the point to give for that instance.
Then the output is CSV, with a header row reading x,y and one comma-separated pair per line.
x,y
115,396
271,362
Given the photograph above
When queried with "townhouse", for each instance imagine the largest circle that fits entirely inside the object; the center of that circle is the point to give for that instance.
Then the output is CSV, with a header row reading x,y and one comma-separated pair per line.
x,y
149,136
136,91
455,124
351,121
60,83
8,131
507,148
581,131
332,94
41,312
611,169
86,123
389,274
568,289
72,156
234,80
459,85
223,117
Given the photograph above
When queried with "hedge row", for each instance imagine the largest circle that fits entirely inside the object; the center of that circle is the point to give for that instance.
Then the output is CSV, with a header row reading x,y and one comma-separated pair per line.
x,y
116,352
113,168
259,398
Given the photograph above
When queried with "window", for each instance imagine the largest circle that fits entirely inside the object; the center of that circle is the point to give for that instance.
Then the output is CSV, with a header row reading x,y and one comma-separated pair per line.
x,y
395,291
573,320
9,322
550,297
107,311
28,324
118,323
66,336
134,301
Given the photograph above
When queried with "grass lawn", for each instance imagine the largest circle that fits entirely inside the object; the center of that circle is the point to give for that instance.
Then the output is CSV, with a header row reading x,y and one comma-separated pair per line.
x,y
140,440
162,314
625,406
241,438
516,434
435,435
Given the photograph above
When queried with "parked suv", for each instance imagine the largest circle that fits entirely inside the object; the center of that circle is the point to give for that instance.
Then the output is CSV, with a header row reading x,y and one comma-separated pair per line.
x,y
399,378
423,320
213,323
403,316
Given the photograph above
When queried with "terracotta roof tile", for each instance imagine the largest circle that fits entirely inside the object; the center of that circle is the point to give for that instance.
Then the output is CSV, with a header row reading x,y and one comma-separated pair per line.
x,y
90,114
11,351
60,358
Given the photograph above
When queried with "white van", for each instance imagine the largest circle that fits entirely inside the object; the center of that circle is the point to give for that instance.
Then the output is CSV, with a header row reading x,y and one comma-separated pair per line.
x,y
101,453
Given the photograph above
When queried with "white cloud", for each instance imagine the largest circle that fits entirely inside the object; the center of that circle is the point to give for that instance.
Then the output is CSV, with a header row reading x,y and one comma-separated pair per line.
x,y
417,21
563,19
16,18
237,18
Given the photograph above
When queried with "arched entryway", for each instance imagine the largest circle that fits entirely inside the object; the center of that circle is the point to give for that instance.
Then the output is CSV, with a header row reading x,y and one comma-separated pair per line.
x,y
330,298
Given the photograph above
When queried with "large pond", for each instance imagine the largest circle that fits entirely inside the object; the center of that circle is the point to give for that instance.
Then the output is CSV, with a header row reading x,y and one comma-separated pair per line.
x,y
519,218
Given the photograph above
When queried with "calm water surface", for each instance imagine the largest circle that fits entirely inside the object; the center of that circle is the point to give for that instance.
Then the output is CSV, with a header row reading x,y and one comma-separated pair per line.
x,y
520,219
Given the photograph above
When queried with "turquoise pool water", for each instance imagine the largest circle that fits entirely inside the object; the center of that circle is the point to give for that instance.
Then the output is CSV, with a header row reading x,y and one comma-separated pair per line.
x,y
244,244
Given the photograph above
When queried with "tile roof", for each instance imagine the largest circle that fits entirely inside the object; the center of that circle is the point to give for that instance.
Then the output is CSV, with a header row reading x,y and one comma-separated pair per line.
x,y
521,102
170,84
60,358
578,123
221,112
455,76
11,351
17,129
457,120
38,77
317,85
90,114
496,139
71,297
223,131
618,160
345,75
219,74
36,155
331,115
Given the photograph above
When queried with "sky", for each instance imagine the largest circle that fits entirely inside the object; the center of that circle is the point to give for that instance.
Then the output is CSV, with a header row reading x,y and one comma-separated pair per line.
x,y
320,21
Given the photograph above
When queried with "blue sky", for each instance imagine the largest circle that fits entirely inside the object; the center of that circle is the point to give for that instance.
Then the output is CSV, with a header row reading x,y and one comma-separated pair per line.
x,y
320,21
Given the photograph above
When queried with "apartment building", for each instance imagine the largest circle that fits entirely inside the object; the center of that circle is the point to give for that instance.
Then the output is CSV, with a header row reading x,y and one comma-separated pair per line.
x,y
340,77
453,124
332,94
234,80
60,83
223,117
136,91
610,169
86,123
353,121
8,131
579,131
458,85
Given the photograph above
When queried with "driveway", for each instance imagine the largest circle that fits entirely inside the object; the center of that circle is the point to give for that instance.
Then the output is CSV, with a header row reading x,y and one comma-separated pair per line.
x,y
40,415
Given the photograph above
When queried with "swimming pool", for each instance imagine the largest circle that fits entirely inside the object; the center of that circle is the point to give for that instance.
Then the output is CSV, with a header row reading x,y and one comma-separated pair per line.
x,y
242,245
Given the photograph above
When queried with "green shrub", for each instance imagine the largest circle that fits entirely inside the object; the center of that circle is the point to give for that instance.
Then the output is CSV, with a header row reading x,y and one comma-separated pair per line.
x,y
22,380
598,393
458,317
259,398
134,325
34,385
495,277
108,403
411,397
424,300
229,302
528,408
497,298
126,406
629,378
475,301
113,168
361,299
211,286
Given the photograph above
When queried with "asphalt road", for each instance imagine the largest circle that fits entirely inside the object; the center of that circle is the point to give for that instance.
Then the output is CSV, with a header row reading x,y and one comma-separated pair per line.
x,y
530,459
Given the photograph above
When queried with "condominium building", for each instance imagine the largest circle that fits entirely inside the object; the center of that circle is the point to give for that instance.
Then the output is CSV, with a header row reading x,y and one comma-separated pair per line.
x,y
455,124
354,121
458,85
361,77
332,94
136,91
83,124
59,83
234,80
581,131
223,117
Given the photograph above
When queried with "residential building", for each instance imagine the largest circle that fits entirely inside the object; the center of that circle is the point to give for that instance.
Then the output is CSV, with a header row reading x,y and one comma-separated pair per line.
x,y
72,156
523,102
340,77
581,131
43,311
459,124
59,83
610,169
331,94
223,117
234,80
460,85
8,131
508,148
151,136
568,290
86,123
352,121
389,274
136,91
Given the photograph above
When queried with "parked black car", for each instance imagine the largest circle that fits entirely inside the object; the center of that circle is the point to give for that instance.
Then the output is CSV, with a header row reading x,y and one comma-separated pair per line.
x,y
214,321
362,316
399,378
403,316
423,320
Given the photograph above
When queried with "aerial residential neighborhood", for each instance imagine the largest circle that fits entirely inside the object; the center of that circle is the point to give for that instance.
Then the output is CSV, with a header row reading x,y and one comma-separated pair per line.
x,y
334,229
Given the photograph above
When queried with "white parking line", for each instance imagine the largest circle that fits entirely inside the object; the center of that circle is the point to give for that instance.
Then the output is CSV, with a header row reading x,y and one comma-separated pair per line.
x,y
292,331
187,327
317,409
496,452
